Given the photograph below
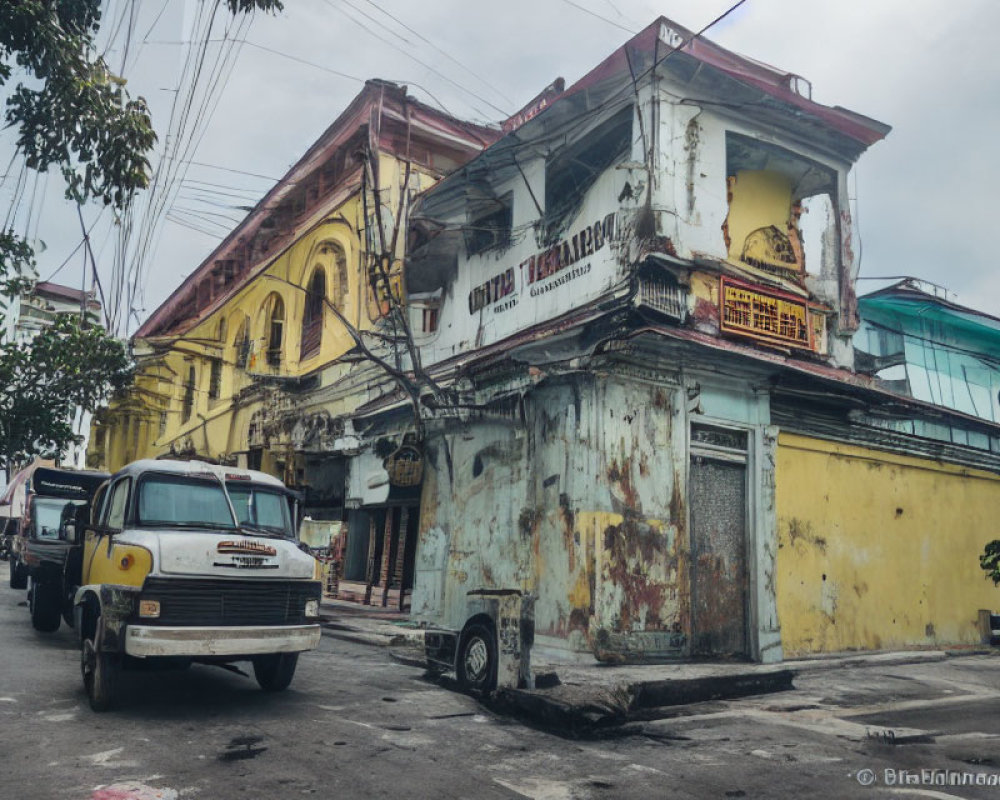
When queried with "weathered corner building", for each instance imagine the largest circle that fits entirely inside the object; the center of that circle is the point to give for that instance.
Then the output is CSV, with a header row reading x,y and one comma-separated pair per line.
x,y
655,444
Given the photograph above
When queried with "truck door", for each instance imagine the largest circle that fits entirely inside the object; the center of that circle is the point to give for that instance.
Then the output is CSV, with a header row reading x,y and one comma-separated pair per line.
x,y
97,548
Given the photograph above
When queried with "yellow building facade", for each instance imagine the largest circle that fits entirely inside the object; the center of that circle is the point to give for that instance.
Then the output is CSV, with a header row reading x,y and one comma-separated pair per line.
x,y
261,334
879,550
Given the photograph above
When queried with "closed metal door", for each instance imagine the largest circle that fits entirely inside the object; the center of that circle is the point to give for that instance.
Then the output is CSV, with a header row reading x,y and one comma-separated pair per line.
x,y
718,557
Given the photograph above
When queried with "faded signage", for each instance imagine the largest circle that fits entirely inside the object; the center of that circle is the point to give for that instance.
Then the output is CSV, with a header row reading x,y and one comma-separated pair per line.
x,y
768,316
496,288
547,270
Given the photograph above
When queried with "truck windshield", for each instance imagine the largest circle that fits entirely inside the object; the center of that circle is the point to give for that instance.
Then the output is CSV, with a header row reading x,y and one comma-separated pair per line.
x,y
180,501
47,514
260,508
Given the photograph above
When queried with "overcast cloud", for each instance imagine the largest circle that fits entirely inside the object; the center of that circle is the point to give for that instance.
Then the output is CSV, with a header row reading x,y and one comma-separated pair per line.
x,y
928,69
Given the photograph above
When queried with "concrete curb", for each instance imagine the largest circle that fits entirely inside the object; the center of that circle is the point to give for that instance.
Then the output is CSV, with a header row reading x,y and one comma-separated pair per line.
x,y
586,710
385,635
890,659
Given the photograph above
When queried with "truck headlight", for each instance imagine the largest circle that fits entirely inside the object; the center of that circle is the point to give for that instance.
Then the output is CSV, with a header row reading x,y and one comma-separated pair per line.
x,y
149,608
312,608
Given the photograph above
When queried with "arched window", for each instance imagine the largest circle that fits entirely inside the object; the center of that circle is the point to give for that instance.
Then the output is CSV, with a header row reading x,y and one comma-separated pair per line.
x,y
312,317
241,344
222,331
275,330
187,406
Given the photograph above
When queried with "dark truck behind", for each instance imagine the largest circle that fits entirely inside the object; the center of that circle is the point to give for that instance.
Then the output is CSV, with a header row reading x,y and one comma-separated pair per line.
x,y
46,553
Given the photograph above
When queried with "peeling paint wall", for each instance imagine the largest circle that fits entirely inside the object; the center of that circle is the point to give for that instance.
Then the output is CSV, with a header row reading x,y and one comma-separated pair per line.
x,y
879,551
583,507
726,183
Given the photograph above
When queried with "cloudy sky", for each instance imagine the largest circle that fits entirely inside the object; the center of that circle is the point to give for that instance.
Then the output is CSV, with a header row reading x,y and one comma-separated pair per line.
x,y
927,69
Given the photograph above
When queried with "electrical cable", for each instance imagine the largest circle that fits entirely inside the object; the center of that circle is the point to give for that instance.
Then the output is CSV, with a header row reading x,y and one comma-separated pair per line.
x,y
598,16
203,80
443,52
424,64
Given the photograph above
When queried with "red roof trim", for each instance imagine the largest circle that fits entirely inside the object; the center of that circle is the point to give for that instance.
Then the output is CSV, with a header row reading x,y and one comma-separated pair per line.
x,y
768,79
374,94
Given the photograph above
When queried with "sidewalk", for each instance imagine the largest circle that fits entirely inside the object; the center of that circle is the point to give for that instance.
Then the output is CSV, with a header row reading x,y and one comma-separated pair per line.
x,y
590,696
581,697
371,625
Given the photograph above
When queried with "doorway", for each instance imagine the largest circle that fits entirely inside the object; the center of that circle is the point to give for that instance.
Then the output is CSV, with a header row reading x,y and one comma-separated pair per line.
x,y
717,497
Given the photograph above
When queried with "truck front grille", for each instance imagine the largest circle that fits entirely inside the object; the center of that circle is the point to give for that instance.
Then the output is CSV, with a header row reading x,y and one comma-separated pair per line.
x,y
213,602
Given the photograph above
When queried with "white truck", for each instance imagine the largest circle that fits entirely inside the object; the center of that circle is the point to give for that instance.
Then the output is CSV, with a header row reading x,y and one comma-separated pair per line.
x,y
188,561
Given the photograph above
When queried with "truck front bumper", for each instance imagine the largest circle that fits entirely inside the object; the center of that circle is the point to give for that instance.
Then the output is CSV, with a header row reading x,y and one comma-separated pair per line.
x,y
143,641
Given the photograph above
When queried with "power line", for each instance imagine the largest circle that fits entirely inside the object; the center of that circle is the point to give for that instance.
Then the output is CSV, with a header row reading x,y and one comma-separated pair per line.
x,y
355,78
200,86
171,217
227,169
512,144
445,53
424,64
303,61
598,16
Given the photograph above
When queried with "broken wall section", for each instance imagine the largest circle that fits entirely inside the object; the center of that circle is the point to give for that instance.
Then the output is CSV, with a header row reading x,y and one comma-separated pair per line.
x,y
759,205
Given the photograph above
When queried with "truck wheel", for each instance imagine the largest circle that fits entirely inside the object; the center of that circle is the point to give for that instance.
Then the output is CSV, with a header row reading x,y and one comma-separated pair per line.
x,y
44,602
275,671
477,660
18,575
100,671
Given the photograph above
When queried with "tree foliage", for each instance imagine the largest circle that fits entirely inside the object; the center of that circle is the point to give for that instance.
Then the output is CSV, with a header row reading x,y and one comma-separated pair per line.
x,y
990,561
70,365
73,114
76,115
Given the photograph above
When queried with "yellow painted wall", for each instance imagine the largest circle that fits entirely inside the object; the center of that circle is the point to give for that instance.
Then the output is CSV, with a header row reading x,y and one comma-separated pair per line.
x,y
758,199
879,551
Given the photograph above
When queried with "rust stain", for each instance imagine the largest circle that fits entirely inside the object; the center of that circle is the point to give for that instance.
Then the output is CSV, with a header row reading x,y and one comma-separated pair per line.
x,y
570,537
579,619
683,583
527,522
677,513
630,548
622,476
705,311
428,512
660,244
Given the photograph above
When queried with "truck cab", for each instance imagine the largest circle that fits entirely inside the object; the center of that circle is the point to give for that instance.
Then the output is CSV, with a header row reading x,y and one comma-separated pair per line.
x,y
42,512
186,561
57,505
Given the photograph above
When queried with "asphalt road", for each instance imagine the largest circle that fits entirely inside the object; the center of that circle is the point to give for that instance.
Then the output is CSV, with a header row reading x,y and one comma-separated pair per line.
x,y
357,724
